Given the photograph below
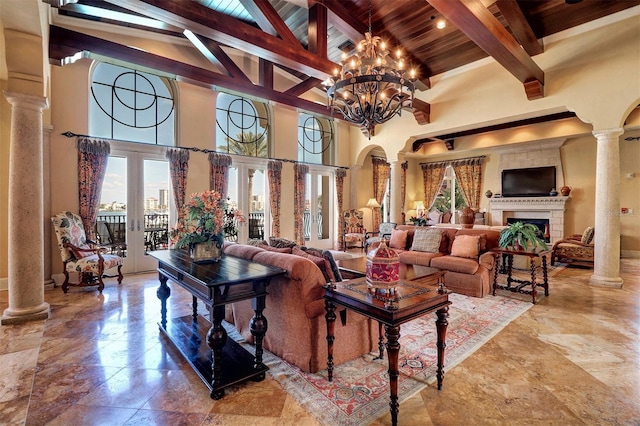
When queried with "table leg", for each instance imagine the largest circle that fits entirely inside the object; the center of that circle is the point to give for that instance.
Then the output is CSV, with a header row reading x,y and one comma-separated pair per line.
x,y
330,316
441,327
380,341
194,305
496,267
545,275
163,294
509,269
258,327
216,339
534,294
392,333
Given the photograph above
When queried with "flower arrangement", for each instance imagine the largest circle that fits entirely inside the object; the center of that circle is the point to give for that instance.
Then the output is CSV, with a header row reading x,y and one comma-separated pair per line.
x,y
203,220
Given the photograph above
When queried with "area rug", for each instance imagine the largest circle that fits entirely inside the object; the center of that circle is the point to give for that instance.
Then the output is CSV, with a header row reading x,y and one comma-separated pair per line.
x,y
359,392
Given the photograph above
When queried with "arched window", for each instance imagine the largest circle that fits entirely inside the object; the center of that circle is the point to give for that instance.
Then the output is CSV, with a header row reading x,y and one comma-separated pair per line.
x,y
315,140
242,126
131,105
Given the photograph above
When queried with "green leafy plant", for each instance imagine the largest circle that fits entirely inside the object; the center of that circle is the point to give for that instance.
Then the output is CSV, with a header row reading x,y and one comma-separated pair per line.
x,y
521,234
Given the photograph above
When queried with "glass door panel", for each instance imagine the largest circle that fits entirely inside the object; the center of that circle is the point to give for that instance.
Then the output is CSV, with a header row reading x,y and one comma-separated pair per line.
x,y
247,192
317,214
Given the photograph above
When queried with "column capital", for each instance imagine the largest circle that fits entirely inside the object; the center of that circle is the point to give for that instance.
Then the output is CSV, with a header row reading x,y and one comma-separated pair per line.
x,y
613,132
355,167
22,100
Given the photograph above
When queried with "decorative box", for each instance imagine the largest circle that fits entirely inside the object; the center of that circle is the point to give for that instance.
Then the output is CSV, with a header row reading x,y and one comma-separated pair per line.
x,y
383,268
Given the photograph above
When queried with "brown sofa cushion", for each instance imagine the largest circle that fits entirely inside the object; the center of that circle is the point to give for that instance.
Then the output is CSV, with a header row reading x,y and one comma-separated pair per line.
x,y
456,264
466,246
422,258
492,237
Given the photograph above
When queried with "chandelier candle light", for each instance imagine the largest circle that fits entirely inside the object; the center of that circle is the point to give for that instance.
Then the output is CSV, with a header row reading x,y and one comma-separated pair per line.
x,y
371,87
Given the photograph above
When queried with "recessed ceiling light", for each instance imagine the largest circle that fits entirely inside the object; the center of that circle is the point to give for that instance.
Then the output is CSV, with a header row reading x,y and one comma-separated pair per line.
x,y
441,24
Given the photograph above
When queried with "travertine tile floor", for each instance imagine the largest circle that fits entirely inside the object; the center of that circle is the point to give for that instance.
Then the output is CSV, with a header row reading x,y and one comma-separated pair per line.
x,y
573,359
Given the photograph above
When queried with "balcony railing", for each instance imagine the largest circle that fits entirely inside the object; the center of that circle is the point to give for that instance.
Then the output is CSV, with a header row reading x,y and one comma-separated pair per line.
x,y
111,229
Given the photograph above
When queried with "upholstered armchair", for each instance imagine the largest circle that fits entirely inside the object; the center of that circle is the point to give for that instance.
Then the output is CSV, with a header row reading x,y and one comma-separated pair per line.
x,y
577,249
354,233
81,255
384,231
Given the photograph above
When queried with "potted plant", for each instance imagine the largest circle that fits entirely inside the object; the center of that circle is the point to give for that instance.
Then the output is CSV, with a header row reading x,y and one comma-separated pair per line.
x,y
201,225
520,235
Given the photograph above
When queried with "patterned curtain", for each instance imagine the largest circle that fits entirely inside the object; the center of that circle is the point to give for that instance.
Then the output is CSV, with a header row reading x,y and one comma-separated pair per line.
x,y
219,173
403,188
469,177
299,189
340,175
274,170
381,170
178,169
432,174
93,155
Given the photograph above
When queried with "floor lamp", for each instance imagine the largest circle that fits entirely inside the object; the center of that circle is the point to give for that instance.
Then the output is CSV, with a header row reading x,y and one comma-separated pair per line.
x,y
372,204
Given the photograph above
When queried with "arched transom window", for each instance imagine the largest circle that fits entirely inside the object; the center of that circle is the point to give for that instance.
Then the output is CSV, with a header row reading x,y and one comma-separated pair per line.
x,y
242,126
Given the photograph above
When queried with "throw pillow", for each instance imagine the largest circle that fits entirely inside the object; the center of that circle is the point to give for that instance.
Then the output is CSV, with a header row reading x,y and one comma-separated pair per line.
x,y
281,242
328,257
398,239
286,250
320,262
80,254
466,246
427,239
434,217
587,235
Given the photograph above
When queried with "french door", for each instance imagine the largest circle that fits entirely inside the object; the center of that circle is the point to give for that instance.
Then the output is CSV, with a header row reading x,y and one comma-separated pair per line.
x,y
136,209
318,213
248,192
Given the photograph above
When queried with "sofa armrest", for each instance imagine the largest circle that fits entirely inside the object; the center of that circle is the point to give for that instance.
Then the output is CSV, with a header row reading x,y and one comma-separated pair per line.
x,y
488,260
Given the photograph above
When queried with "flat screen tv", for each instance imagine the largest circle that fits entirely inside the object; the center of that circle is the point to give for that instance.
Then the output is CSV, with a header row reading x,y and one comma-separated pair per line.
x,y
531,182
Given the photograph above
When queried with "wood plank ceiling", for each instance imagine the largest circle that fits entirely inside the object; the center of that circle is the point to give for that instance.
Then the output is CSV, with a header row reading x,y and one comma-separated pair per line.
x,y
307,37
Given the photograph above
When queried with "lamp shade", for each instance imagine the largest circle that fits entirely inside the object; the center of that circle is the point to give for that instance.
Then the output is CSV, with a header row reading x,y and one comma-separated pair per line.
x,y
418,205
372,203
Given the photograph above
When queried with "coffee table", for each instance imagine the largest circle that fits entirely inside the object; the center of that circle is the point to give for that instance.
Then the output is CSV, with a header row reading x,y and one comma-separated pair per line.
x,y
411,300
508,254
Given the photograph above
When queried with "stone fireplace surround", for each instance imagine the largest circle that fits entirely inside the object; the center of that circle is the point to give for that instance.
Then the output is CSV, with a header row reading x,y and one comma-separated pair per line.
x,y
525,155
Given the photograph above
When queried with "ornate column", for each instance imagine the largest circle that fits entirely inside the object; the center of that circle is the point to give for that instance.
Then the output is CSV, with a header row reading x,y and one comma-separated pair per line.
x,y
46,203
395,177
26,263
353,187
606,272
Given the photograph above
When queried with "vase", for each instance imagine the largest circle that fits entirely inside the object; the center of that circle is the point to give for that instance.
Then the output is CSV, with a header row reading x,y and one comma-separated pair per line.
x,y
488,194
466,216
565,190
206,252
553,192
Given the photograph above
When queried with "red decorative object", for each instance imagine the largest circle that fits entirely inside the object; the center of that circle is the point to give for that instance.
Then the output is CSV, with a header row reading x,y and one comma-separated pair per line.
x,y
383,268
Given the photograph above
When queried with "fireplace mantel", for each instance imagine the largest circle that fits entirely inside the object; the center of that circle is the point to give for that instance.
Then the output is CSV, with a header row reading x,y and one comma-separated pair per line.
x,y
551,208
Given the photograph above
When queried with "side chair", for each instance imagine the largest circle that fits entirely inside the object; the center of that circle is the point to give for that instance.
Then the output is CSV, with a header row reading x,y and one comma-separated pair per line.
x,y
354,234
81,255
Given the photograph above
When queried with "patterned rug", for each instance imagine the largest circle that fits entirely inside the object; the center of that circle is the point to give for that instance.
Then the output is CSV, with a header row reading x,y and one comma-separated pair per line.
x,y
359,393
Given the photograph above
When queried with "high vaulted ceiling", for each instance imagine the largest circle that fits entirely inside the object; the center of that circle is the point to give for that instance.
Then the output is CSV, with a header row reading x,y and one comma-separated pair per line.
x,y
307,37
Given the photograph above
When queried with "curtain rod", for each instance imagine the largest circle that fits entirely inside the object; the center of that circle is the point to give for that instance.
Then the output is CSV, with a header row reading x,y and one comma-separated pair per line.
x,y
480,157
70,134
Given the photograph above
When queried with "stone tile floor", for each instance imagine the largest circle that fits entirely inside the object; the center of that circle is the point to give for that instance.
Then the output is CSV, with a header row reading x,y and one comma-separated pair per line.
x,y
573,359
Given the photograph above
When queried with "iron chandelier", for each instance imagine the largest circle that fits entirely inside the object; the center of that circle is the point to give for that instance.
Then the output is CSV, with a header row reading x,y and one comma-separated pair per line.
x,y
371,88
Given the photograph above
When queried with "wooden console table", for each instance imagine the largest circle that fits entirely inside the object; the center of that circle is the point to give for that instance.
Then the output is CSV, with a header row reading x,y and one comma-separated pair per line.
x,y
203,342
508,268
412,300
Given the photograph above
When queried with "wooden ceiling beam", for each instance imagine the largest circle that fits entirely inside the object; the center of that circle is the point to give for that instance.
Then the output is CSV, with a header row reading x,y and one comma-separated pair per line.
x,y
268,19
217,26
214,54
520,26
265,73
479,24
317,30
421,111
65,44
304,86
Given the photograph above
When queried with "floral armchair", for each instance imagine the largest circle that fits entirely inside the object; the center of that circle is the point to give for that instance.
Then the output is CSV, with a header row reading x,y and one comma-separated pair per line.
x,y
577,249
81,255
384,231
354,233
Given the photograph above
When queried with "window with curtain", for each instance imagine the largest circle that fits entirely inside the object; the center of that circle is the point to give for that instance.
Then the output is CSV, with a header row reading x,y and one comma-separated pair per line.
x,y
131,105
444,201
315,140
